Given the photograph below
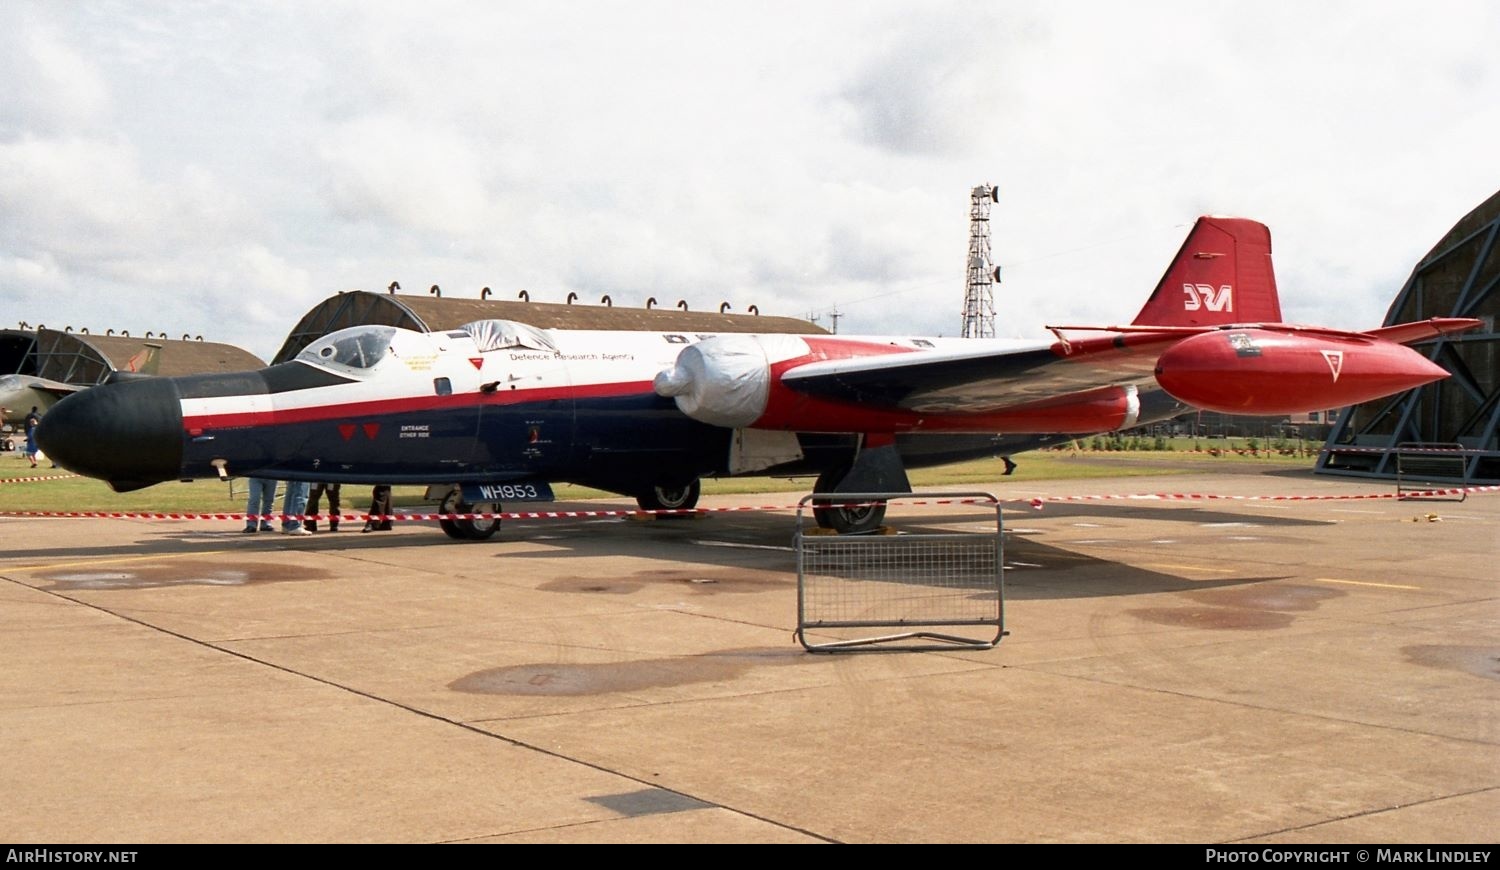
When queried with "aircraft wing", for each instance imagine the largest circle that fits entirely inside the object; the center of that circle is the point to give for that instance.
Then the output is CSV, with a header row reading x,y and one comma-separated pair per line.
x,y
54,388
990,380
985,380
1092,384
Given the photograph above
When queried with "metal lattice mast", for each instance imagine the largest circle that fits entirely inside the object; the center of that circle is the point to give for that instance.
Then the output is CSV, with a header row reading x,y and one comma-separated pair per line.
x,y
979,298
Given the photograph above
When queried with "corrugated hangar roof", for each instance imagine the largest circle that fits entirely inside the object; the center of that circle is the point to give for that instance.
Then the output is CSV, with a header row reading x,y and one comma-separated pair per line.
x,y
86,359
432,313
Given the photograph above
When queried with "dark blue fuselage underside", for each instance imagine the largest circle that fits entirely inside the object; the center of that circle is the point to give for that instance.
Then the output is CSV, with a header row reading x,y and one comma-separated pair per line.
x,y
623,444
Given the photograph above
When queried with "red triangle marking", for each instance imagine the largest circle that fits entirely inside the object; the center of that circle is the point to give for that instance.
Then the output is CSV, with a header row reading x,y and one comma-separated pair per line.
x,y
346,430
371,429
477,362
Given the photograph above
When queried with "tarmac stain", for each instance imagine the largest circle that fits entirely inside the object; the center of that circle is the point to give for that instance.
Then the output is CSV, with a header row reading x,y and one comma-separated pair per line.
x,y
628,676
1481,661
700,580
178,572
1229,618
589,584
1268,596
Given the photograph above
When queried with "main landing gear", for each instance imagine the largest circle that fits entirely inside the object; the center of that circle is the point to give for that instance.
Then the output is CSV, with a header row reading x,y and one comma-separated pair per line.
x,y
468,529
670,498
876,467
861,516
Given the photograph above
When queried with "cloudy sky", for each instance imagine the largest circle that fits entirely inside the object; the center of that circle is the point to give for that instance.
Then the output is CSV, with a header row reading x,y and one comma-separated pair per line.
x,y
219,169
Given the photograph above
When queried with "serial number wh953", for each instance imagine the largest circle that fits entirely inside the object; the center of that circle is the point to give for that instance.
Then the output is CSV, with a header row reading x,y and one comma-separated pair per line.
x,y
483,492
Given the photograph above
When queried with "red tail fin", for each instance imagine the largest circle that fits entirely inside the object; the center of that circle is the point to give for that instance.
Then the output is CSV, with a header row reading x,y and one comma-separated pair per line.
x,y
1221,275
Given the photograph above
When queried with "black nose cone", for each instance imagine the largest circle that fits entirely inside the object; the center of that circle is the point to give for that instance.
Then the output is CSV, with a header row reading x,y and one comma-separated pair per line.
x,y
129,434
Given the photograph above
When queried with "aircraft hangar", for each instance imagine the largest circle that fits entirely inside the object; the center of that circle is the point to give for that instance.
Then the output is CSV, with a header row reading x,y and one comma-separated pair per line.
x,y
85,359
1454,422
437,312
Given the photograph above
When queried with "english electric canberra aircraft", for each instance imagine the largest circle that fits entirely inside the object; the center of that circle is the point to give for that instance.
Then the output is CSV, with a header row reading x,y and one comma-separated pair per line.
x,y
498,410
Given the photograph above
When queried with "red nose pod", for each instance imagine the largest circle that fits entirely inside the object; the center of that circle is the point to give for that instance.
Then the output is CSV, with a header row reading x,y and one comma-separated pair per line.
x,y
1258,371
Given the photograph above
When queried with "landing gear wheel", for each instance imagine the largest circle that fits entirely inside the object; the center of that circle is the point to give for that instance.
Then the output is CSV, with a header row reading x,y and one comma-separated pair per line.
x,y
449,505
853,519
481,529
468,529
670,498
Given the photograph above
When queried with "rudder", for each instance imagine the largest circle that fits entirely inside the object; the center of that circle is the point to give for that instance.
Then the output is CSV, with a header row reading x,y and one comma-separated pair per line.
x,y
1222,274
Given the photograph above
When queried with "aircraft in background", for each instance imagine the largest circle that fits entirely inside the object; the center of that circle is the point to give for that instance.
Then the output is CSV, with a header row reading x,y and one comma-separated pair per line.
x,y
20,393
497,410
146,361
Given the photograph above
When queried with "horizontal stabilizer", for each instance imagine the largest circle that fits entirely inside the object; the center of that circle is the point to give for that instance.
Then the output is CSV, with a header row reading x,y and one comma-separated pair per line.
x,y
1436,327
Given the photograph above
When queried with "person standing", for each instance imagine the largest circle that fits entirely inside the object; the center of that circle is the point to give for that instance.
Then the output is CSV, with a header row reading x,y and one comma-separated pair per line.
x,y
380,510
293,506
32,420
261,503
332,489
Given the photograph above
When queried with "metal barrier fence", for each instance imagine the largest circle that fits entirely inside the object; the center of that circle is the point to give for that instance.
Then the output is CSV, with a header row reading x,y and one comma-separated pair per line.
x,y
914,575
1420,466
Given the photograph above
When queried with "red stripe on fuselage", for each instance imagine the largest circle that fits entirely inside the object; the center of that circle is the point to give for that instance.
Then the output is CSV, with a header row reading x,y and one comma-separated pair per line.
x,y
410,404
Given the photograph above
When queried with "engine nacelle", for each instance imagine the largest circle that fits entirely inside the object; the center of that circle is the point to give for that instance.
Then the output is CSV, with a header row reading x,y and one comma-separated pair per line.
x,y
1263,371
726,380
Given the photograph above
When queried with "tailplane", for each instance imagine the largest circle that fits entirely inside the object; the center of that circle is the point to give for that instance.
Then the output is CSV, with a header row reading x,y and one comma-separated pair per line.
x,y
1221,275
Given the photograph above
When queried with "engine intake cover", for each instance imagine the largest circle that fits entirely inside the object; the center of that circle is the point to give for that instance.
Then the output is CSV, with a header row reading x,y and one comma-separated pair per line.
x,y
726,380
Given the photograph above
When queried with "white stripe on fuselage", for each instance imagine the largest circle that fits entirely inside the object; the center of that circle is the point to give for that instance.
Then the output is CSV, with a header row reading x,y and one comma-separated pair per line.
x,y
583,358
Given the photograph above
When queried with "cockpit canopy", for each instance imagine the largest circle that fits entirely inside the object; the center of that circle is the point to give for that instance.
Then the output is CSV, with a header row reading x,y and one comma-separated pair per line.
x,y
361,348
358,347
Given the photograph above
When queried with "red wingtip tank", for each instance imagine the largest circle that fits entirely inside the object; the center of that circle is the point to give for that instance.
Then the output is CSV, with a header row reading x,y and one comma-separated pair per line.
x,y
1272,371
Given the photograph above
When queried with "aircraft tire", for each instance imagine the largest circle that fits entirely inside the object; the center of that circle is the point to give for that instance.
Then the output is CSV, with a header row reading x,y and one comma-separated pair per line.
x,y
670,498
450,505
468,530
480,530
844,520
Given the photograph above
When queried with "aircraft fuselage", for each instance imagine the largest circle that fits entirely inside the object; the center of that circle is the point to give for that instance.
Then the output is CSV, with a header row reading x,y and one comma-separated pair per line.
x,y
445,407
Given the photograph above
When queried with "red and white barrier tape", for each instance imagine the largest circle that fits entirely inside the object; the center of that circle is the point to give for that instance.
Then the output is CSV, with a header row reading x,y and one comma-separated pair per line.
x,y
1464,450
284,518
38,477
1183,496
1036,503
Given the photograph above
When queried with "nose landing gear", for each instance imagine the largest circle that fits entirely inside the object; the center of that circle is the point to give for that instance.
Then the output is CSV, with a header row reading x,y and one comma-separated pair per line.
x,y
475,529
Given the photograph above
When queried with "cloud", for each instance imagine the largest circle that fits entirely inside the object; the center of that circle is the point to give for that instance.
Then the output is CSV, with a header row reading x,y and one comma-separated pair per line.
x,y
941,83
229,167
50,85
394,172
